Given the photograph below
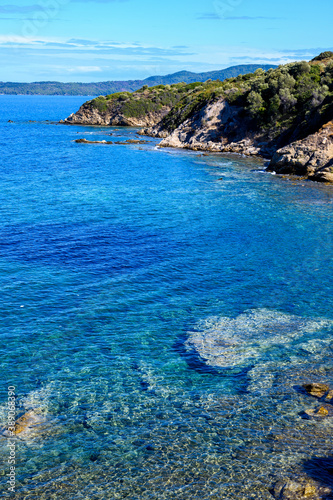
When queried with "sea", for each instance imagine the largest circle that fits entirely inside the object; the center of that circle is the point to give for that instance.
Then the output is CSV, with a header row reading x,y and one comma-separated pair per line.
x,y
161,310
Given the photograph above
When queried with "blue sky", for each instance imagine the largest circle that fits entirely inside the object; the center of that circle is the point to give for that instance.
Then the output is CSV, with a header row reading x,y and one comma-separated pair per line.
x,y
95,40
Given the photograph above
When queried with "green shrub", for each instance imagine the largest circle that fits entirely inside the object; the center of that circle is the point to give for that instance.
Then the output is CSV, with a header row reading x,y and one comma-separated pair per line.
x,y
324,55
99,103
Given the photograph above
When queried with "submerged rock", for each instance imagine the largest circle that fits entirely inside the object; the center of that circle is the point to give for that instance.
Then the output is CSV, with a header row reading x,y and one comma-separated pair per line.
x,y
28,421
329,397
317,390
300,489
241,341
132,141
322,392
320,412
128,141
28,425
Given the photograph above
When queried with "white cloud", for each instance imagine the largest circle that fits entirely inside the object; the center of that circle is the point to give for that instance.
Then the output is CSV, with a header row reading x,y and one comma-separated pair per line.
x,y
84,69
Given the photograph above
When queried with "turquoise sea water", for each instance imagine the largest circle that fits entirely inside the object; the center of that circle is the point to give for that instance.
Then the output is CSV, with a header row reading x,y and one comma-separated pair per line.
x,y
117,263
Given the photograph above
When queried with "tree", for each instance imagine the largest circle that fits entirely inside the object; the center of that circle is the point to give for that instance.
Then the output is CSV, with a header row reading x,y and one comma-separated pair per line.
x,y
259,72
299,68
274,106
319,95
287,99
255,104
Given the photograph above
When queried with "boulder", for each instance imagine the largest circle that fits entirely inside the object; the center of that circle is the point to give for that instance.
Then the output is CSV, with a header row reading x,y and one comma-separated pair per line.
x,y
316,389
311,157
320,412
28,425
329,397
300,489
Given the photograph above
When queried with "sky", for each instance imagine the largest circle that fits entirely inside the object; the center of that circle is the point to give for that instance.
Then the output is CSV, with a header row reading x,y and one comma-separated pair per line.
x,y
99,40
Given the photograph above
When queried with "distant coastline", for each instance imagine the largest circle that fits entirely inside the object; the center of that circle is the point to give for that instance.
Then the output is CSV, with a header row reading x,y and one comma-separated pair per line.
x,y
110,87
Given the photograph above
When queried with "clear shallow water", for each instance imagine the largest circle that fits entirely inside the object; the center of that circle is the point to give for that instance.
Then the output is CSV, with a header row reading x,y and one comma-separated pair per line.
x,y
110,258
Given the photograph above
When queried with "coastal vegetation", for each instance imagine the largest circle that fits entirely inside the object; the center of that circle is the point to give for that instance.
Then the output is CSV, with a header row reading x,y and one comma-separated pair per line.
x,y
274,102
267,113
145,100
294,95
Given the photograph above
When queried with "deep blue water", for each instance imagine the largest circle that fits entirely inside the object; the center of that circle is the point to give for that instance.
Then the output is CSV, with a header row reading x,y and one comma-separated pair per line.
x,y
110,258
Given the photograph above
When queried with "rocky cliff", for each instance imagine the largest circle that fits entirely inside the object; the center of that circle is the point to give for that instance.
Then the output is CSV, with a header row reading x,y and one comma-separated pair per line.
x,y
114,116
311,157
219,127
216,127
144,108
283,114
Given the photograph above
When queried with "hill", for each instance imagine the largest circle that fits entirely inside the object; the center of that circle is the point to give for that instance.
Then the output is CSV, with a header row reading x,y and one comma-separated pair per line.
x,y
104,88
285,114
143,108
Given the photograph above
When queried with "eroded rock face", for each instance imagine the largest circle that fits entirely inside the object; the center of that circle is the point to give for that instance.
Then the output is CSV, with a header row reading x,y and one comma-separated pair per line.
x,y
113,116
217,127
311,157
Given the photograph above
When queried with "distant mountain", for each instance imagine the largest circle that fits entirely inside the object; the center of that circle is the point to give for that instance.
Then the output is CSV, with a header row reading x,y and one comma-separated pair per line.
x,y
105,88
188,77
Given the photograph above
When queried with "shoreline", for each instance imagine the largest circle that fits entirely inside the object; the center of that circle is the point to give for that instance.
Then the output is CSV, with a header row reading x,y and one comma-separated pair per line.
x,y
244,149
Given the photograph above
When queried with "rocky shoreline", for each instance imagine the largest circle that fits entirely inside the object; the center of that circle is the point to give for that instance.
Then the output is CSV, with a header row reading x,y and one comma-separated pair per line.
x,y
311,157
284,115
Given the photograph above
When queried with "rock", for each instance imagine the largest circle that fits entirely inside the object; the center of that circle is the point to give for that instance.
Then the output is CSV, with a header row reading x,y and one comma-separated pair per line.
x,y
309,490
317,390
28,425
128,141
217,127
10,121
209,130
300,489
290,490
230,342
84,141
329,397
311,157
132,141
28,420
113,115
320,412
